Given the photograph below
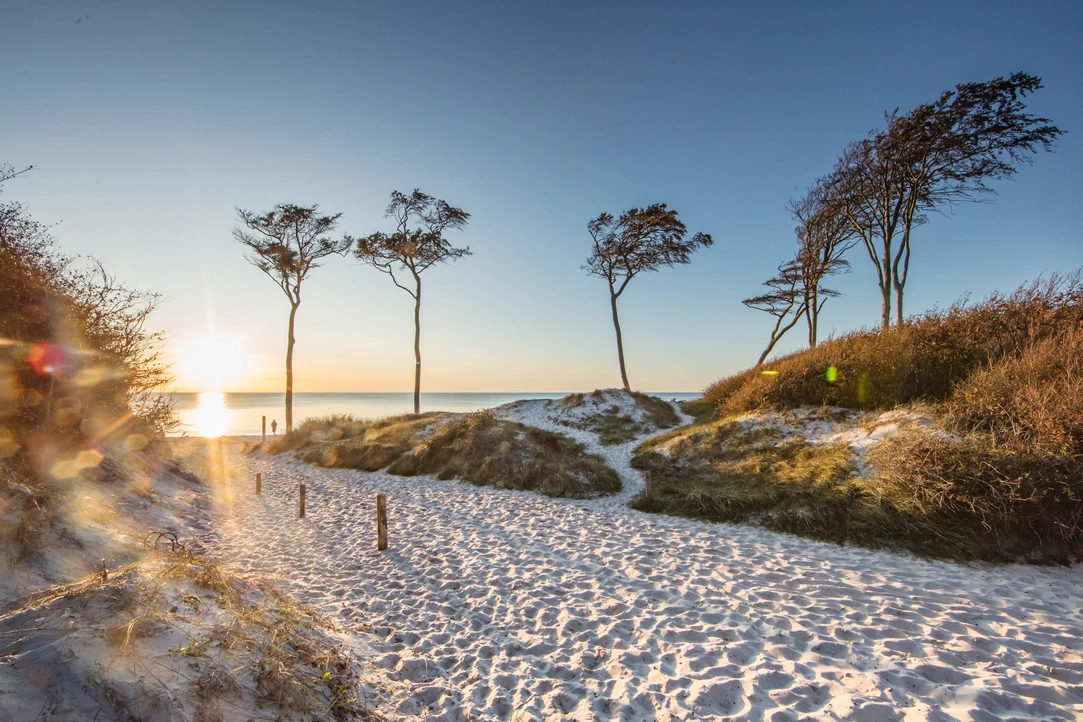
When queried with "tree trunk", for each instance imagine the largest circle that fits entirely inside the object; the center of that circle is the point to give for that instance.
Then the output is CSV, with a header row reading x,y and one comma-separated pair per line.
x,y
620,343
885,292
290,341
813,312
417,347
898,305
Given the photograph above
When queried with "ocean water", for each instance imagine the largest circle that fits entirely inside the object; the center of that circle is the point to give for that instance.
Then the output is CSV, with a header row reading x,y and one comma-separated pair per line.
x,y
230,414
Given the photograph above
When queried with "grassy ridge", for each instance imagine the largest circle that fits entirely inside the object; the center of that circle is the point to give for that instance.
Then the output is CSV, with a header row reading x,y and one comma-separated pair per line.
x,y
923,360
1004,376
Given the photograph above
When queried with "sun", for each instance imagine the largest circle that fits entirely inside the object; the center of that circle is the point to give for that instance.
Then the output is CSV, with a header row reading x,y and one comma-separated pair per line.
x,y
212,364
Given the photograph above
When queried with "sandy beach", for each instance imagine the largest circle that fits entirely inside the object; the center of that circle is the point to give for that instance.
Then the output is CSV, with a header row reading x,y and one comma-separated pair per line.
x,y
504,605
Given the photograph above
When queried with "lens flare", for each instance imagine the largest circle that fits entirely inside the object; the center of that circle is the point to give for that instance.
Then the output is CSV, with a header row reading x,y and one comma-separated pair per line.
x,y
212,416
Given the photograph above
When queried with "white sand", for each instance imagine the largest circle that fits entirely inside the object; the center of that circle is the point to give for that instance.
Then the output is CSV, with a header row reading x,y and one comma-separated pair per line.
x,y
503,605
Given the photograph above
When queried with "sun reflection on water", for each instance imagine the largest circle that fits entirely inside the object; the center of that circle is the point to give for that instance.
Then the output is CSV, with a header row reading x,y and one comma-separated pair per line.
x,y
212,417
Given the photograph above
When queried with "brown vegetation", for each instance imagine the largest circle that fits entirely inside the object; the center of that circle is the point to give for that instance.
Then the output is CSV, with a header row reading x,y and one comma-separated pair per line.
x,y
477,448
1005,377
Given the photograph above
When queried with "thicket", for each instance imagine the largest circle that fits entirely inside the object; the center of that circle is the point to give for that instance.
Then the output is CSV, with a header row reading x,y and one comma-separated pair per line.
x,y
79,369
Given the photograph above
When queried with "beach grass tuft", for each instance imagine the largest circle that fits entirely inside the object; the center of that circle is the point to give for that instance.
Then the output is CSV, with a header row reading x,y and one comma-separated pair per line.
x,y
486,451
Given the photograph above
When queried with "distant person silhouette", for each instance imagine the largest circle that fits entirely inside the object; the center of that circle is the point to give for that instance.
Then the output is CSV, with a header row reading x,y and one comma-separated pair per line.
x,y
274,427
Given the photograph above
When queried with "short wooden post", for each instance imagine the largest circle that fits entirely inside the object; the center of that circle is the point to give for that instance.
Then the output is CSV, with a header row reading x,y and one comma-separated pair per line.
x,y
381,522
259,483
648,488
302,514
264,429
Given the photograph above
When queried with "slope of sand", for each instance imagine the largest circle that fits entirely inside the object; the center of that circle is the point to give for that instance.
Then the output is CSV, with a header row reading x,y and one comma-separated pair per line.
x,y
502,605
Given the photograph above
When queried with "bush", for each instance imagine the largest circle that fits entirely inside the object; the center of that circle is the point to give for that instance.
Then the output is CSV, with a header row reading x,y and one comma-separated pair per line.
x,y
78,366
1012,501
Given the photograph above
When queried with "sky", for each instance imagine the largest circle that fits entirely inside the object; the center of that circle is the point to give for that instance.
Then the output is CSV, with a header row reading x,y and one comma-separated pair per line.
x,y
149,124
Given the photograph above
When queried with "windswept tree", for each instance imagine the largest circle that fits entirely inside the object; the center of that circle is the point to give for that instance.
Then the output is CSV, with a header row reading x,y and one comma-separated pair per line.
x,y
948,151
286,243
936,155
639,240
416,244
784,300
823,237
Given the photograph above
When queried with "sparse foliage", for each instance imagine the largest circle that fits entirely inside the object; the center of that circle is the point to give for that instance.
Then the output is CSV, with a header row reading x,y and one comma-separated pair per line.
x,y
79,363
640,240
784,300
938,154
286,243
416,244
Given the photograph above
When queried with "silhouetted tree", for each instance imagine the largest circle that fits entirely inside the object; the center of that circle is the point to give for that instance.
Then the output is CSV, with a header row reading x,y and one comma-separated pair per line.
x,y
937,154
416,244
948,149
640,240
866,183
785,301
823,237
286,243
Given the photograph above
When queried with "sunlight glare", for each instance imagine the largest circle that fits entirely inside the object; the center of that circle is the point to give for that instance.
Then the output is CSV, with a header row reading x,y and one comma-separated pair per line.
x,y
213,363
212,417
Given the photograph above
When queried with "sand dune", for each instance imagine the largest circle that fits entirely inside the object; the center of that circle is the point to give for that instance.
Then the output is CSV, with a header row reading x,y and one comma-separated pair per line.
x,y
502,605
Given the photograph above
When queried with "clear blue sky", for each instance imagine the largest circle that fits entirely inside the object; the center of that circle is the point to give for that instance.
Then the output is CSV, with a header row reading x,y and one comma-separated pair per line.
x,y
150,122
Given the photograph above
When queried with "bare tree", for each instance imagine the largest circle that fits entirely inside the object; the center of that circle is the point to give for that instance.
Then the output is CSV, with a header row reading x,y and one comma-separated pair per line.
x,y
948,150
938,154
785,301
866,184
823,237
287,242
416,244
640,240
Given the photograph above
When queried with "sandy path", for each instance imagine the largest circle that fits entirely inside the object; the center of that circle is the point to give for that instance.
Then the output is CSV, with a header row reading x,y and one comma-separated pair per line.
x,y
509,606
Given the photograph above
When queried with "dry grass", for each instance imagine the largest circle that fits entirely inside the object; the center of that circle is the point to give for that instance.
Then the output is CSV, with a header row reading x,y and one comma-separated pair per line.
x,y
1011,501
614,427
1032,399
377,446
1008,375
487,451
922,360
243,645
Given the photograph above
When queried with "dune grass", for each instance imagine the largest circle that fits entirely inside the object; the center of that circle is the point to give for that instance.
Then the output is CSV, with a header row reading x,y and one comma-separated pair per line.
x,y
214,640
375,446
723,471
1006,378
922,360
477,448
616,426
487,451
320,430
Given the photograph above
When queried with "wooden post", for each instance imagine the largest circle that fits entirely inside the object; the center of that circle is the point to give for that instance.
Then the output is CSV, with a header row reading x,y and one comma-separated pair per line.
x,y
264,430
259,483
381,522
302,514
648,489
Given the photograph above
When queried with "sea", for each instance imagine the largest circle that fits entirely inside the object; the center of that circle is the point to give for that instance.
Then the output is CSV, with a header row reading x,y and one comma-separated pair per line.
x,y
242,414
